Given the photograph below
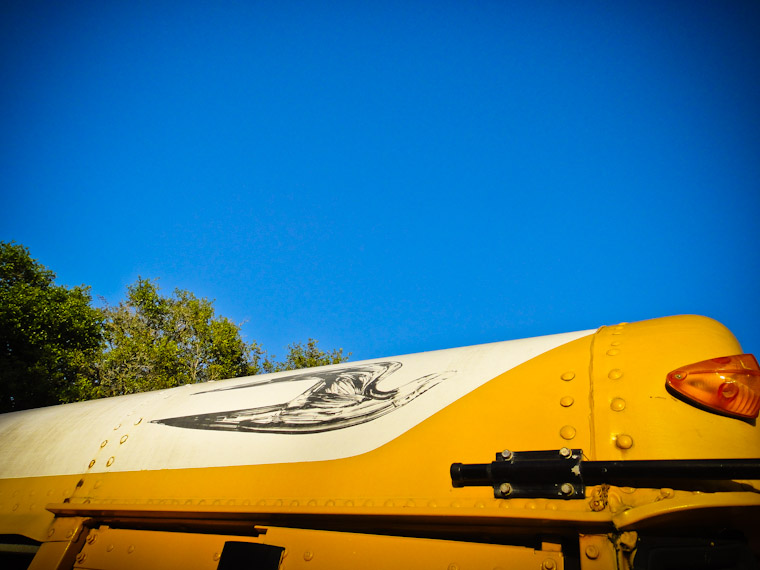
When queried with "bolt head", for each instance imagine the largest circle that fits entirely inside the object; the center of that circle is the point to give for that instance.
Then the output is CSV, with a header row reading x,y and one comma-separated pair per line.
x,y
565,452
505,489
566,489
506,454
592,552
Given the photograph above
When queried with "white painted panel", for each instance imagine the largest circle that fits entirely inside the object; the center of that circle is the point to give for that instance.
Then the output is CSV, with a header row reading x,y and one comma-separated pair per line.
x,y
308,415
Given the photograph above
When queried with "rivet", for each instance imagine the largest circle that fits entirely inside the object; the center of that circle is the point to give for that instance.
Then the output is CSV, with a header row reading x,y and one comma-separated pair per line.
x,y
110,461
565,452
123,438
216,557
308,555
567,376
505,489
69,533
667,493
617,405
567,489
97,484
131,549
349,503
109,548
566,401
506,454
549,564
567,432
613,351
453,566
624,441
103,443
92,464
138,421
592,552
615,374
117,427
615,343
81,556
15,507
92,537
51,532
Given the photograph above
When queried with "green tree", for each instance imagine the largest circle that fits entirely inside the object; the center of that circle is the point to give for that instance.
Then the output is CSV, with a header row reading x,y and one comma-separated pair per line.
x,y
307,356
55,347
49,334
154,342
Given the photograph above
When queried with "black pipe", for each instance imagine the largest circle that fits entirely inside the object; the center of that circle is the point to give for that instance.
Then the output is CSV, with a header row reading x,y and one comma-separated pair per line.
x,y
599,472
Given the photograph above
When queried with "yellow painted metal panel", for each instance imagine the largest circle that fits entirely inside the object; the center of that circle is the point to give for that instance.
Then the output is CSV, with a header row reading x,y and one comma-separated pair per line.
x,y
604,393
117,549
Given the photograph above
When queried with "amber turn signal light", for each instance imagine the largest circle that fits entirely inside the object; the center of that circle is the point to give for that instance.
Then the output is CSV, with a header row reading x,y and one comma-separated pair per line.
x,y
728,385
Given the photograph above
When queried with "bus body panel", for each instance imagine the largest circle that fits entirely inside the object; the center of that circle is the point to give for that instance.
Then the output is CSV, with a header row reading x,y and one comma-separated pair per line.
x,y
602,392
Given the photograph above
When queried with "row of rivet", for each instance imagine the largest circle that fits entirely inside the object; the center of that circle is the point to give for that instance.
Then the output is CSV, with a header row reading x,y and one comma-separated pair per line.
x,y
567,432
617,404
104,443
263,504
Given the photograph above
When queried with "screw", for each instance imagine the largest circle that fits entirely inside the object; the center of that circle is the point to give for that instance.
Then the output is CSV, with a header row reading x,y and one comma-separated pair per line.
x,y
506,454
505,489
92,537
567,489
565,452
592,552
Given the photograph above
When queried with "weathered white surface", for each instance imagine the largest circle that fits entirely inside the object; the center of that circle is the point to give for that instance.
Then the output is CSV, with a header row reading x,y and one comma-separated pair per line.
x,y
65,439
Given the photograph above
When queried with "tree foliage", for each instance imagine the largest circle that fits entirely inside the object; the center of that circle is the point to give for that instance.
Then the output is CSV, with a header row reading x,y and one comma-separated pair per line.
x,y
55,347
49,334
153,342
307,355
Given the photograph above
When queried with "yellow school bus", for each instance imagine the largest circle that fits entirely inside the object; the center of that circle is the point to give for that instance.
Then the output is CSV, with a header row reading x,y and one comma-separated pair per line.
x,y
631,446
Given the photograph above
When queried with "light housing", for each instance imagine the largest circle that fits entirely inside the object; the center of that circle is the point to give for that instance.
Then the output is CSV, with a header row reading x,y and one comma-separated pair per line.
x,y
728,385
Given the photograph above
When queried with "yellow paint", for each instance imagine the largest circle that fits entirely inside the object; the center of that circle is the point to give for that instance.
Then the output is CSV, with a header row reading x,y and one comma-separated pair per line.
x,y
613,406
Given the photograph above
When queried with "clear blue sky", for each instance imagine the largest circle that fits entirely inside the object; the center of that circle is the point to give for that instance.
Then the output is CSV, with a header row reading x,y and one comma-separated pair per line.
x,y
392,177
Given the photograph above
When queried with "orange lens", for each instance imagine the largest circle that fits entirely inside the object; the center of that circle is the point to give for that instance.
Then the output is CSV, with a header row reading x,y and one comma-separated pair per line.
x,y
730,384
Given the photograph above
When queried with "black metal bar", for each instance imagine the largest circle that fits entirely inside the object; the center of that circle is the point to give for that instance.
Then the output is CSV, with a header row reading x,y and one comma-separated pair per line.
x,y
626,472
599,472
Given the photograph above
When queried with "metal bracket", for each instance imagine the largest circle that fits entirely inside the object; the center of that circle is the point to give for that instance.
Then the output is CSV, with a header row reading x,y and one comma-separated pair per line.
x,y
527,474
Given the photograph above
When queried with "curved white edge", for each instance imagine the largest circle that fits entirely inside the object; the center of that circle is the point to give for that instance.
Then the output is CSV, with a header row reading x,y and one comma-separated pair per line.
x,y
315,414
